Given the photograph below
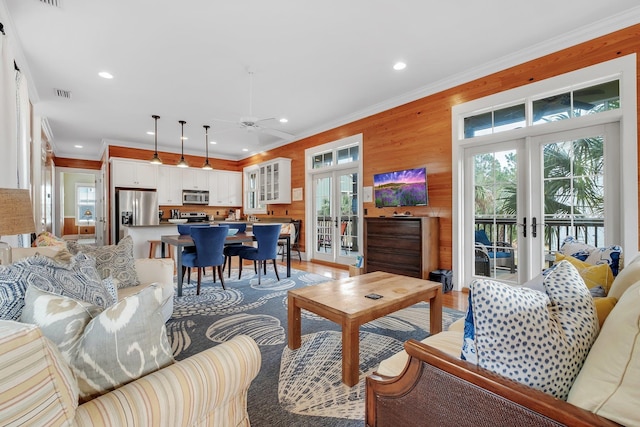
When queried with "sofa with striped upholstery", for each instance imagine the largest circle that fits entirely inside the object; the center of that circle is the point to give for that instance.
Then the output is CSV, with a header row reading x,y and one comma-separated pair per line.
x,y
38,385
207,389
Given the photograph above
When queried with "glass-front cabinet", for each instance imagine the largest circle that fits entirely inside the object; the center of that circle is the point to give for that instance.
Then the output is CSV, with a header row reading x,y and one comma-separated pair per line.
x,y
275,181
267,183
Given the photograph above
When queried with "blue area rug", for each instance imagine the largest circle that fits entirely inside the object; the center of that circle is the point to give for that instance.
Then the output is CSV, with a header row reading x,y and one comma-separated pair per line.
x,y
301,387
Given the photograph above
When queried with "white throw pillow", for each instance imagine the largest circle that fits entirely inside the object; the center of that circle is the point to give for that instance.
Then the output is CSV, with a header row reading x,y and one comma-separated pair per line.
x,y
538,339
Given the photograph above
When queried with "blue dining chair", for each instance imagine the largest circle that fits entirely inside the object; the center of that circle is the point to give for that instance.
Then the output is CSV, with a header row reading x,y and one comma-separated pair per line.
x,y
233,249
209,244
267,237
185,230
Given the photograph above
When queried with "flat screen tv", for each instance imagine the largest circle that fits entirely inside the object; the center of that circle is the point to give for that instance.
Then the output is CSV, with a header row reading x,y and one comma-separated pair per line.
x,y
401,188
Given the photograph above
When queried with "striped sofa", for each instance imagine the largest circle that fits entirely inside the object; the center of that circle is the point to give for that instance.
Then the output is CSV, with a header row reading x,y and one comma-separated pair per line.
x,y
208,389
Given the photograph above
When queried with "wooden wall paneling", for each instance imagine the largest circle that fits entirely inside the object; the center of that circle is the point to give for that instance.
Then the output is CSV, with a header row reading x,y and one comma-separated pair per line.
x,y
172,158
63,162
419,132
70,227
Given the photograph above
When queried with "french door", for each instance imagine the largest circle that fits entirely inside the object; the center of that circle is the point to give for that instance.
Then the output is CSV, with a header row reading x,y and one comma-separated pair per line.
x,y
523,197
494,200
336,208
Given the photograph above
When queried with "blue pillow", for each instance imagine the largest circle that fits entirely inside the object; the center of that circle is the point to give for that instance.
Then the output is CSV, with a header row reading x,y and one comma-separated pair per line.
x,y
481,237
611,255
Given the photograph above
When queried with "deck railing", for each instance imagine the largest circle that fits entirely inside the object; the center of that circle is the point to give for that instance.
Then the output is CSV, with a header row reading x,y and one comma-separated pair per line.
x,y
348,233
588,230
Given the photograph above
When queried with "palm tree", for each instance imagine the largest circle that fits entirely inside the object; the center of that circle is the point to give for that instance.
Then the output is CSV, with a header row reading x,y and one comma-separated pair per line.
x,y
573,188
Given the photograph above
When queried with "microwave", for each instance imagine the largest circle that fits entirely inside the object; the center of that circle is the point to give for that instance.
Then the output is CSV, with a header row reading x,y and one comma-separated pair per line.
x,y
195,197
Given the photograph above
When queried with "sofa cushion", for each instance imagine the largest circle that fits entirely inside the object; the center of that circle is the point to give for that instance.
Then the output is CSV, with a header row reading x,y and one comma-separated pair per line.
x,y
62,319
627,277
611,255
19,253
78,278
594,275
538,339
134,332
122,343
36,386
14,280
47,238
112,260
608,382
448,341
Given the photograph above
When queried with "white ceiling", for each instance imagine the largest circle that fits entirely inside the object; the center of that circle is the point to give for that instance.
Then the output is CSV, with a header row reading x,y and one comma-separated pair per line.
x,y
319,64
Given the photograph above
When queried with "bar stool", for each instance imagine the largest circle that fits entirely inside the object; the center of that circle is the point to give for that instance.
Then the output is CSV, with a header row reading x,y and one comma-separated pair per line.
x,y
153,245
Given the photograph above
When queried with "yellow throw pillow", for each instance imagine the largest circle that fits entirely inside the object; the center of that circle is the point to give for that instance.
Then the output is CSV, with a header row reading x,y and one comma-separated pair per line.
x,y
593,275
604,306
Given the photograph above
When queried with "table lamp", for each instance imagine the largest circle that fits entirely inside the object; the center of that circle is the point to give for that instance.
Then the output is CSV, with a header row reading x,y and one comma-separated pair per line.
x,y
16,217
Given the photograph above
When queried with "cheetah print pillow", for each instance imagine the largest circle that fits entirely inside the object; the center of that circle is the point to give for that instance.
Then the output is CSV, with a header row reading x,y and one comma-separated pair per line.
x,y
540,339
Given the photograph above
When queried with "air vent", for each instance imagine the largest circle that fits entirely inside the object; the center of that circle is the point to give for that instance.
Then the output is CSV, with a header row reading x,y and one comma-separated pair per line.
x,y
63,93
54,3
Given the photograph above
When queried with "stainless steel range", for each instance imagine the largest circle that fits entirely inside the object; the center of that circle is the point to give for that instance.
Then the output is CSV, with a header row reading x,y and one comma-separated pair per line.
x,y
195,216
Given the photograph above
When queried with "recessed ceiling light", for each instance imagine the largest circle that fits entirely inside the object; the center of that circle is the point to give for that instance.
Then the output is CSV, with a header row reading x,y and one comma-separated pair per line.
x,y
105,75
399,66
284,120
78,146
151,132
245,149
184,138
213,142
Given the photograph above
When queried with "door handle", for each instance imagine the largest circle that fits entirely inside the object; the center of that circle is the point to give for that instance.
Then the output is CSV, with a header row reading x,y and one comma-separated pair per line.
x,y
524,227
534,227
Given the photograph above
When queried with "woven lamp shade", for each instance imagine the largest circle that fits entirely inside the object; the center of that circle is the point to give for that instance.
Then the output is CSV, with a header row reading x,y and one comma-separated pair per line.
x,y
16,214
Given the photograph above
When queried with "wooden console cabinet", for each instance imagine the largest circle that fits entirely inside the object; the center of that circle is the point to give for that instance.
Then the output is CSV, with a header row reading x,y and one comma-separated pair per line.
x,y
402,245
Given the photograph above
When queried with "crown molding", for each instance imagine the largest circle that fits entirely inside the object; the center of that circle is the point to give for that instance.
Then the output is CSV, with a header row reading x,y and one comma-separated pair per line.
x,y
574,37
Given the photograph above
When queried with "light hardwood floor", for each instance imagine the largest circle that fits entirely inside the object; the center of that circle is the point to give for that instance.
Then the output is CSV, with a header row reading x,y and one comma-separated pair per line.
x,y
454,299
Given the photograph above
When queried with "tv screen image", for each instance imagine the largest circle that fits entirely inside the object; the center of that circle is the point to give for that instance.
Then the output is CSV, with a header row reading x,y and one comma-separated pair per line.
x,y
401,188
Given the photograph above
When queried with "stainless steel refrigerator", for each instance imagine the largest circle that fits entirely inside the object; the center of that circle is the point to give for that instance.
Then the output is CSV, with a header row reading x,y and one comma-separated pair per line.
x,y
135,208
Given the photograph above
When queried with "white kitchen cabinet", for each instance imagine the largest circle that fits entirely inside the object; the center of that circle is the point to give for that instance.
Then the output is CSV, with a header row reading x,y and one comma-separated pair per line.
x,y
274,181
169,185
133,174
225,188
195,179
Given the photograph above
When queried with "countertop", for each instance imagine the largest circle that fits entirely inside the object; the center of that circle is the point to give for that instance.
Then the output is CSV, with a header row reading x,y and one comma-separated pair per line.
x,y
167,223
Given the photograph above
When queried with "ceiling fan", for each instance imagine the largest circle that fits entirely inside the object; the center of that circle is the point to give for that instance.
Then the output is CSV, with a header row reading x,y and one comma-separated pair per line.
x,y
255,124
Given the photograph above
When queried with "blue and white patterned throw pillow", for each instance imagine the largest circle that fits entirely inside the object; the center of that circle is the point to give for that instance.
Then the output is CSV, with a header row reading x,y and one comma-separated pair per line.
x,y
611,255
14,279
77,279
540,339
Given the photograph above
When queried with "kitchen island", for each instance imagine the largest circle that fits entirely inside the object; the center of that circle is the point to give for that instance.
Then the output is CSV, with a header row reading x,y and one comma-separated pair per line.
x,y
141,234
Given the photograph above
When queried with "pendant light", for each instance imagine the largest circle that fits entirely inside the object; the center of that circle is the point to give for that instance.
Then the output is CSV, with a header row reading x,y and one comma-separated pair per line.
x,y
206,165
155,159
182,163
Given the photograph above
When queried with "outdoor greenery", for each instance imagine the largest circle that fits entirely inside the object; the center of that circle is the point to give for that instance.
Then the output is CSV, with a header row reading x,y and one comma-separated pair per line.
x,y
573,182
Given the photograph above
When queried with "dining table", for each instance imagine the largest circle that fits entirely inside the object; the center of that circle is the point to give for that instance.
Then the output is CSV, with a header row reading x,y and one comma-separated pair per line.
x,y
181,241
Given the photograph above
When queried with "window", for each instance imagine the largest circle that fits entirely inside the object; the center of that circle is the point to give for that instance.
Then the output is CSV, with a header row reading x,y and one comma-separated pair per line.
x,y
252,202
337,156
563,105
85,204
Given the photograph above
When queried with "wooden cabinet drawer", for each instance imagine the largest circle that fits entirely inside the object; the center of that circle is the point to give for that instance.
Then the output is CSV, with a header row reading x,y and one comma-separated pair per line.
x,y
406,246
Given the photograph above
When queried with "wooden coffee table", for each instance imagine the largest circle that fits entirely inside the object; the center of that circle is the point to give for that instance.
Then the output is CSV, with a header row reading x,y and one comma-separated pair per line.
x,y
344,302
